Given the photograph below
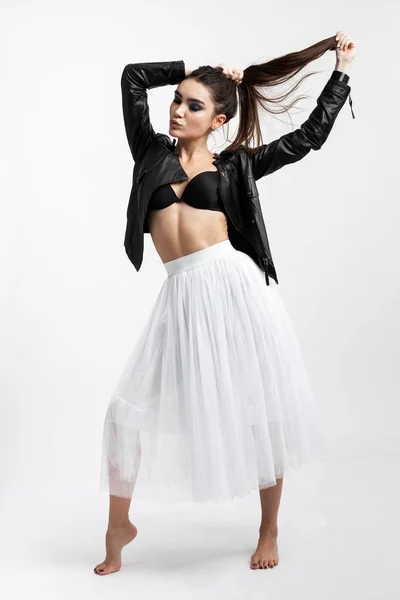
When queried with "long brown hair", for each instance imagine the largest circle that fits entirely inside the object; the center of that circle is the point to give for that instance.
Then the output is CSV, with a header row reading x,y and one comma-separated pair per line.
x,y
227,95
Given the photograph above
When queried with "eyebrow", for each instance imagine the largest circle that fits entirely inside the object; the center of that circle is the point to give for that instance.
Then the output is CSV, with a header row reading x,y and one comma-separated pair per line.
x,y
191,99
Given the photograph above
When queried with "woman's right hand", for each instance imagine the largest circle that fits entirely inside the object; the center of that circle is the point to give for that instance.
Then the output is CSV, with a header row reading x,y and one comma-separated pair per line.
x,y
230,73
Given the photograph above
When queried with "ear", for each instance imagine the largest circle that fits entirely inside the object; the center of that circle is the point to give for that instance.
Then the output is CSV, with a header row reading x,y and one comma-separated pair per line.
x,y
219,121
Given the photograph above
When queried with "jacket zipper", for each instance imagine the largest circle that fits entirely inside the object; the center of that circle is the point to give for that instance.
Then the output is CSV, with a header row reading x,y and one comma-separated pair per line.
x,y
351,105
265,262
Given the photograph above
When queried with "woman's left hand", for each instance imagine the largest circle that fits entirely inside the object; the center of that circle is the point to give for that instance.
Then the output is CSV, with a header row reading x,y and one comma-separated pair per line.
x,y
345,47
230,73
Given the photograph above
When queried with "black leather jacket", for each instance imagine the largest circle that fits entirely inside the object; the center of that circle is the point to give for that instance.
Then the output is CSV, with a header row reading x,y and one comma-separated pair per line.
x,y
156,163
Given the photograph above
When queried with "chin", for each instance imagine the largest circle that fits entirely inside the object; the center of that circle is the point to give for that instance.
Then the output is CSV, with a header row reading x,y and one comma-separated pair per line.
x,y
174,132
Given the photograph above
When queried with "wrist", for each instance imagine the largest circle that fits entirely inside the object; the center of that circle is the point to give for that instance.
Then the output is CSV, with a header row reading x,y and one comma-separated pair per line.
x,y
342,65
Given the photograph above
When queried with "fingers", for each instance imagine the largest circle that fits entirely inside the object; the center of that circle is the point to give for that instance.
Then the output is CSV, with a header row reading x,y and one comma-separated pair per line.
x,y
230,73
237,76
343,40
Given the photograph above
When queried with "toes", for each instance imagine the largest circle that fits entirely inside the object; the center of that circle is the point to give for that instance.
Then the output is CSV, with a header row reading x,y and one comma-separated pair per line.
x,y
263,563
274,563
100,570
106,570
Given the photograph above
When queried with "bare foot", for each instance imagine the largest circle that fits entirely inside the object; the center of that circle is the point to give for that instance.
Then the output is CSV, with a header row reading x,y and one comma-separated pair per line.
x,y
266,554
116,539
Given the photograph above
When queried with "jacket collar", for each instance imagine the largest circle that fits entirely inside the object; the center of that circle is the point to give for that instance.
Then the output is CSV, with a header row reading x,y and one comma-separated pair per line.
x,y
216,154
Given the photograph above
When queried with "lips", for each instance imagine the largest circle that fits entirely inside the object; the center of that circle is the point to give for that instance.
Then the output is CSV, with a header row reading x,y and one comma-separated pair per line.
x,y
173,122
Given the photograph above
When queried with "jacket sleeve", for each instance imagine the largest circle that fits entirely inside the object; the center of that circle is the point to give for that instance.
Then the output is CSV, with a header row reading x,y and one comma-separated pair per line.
x,y
293,146
135,81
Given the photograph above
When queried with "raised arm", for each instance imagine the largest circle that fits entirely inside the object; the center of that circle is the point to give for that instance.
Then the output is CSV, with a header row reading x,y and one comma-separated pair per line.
x,y
135,81
293,146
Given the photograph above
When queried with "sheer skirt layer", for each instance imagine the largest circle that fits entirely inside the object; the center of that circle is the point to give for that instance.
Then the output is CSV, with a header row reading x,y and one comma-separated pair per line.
x,y
214,400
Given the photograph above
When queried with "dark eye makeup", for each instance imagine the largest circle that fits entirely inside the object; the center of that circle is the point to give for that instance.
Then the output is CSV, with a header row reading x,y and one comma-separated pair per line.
x,y
191,106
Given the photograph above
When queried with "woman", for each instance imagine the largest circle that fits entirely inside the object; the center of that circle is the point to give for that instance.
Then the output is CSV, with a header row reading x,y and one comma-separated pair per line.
x,y
215,396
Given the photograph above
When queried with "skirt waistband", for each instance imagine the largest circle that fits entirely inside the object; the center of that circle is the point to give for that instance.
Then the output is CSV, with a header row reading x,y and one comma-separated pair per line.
x,y
194,259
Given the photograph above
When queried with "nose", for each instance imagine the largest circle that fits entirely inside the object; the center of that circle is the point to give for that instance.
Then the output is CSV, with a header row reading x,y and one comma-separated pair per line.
x,y
179,112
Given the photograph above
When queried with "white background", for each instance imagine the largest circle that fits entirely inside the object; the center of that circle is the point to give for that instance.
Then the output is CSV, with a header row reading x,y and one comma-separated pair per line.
x,y
72,303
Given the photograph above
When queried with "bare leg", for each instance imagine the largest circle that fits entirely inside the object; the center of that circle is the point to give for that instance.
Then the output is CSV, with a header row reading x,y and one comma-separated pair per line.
x,y
119,533
266,554
120,530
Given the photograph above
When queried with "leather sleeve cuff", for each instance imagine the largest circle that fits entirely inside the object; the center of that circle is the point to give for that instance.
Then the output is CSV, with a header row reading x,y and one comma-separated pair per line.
x,y
340,76
177,72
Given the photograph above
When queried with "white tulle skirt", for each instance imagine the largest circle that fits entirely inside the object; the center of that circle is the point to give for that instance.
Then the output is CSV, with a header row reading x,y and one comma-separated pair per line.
x,y
214,400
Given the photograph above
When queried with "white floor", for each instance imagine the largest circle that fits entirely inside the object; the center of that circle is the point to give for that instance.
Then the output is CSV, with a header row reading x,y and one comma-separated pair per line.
x,y
339,540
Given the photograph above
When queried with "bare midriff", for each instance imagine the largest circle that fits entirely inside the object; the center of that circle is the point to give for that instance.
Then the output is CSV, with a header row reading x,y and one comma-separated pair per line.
x,y
180,229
